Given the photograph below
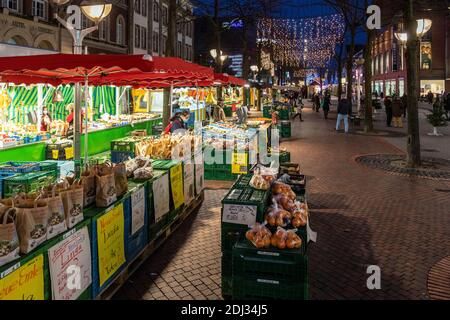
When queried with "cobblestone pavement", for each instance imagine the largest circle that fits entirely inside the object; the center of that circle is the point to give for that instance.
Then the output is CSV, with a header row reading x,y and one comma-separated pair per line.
x,y
363,217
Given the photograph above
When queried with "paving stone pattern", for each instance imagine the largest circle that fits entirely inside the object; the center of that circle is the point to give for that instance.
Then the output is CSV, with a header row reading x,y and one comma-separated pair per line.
x,y
363,217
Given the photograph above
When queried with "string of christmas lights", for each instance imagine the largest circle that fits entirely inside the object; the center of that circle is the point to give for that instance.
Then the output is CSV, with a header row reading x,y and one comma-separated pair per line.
x,y
302,43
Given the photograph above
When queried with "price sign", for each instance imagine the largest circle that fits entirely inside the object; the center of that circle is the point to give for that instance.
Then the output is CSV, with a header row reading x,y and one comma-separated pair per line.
x,y
69,153
239,214
239,163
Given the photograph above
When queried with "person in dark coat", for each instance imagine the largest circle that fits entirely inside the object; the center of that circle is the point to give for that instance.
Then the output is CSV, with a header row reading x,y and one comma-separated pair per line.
x,y
326,105
178,122
317,102
397,112
447,106
343,109
388,106
405,105
430,97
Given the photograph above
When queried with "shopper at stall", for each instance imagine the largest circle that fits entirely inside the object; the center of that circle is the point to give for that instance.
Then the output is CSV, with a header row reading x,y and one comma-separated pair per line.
x,y
326,105
46,120
447,106
178,122
218,113
397,111
242,114
388,106
343,108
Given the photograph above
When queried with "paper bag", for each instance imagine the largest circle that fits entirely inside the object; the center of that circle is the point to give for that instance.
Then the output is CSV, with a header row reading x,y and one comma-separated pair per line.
x,y
9,240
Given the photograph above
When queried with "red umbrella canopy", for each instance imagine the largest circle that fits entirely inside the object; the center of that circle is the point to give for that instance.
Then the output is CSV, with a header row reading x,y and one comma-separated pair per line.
x,y
177,65
229,80
48,68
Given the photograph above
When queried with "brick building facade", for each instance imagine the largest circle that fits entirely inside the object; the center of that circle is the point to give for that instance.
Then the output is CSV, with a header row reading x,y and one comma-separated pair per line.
x,y
389,66
29,24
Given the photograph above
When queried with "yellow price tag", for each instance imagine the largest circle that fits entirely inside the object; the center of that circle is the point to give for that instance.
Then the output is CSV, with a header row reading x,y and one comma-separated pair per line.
x,y
239,163
24,283
176,183
55,154
69,153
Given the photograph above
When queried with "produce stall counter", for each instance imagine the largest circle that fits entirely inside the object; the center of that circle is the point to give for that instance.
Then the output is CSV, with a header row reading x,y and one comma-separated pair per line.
x,y
99,141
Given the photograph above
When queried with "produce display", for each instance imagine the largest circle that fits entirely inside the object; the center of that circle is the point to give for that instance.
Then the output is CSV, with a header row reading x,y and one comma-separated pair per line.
x,y
139,168
259,235
227,135
166,147
285,239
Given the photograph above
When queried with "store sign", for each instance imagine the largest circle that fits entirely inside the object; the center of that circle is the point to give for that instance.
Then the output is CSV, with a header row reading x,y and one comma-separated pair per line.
x,y
233,24
236,64
137,210
239,163
111,243
161,196
23,282
239,214
176,183
72,253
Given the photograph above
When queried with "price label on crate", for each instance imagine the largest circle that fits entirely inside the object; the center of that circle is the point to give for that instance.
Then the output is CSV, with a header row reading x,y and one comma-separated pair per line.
x,y
239,163
55,154
239,214
69,153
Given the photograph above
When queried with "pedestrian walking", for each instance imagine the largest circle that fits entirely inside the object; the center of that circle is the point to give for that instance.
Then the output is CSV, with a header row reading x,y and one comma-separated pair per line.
x,y
343,108
326,105
317,102
382,95
388,106
430,97
405,104
397,112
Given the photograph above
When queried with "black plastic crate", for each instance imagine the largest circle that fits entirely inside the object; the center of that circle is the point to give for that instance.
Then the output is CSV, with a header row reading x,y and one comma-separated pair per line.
x,y
227,264
257,288
226,286
272,263
231,234
245,198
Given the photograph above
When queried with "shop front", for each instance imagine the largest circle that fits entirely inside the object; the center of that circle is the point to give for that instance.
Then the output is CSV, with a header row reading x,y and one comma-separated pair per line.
x,y
435,86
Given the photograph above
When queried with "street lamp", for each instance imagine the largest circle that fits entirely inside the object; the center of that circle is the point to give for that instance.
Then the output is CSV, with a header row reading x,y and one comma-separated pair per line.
x,y
96,11
423,26
220,59
359,63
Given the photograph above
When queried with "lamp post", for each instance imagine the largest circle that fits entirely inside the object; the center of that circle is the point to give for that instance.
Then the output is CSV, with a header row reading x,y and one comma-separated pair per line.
x,y
96,11
220,59
359,63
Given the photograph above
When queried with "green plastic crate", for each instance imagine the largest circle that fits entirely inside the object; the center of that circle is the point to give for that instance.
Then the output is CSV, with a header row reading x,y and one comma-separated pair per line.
x,y
272,263
266,111
283,114
29,182
49,166
243,181
248,197
210,174
254,288
231,234
164,164
127,144
227,264
156,229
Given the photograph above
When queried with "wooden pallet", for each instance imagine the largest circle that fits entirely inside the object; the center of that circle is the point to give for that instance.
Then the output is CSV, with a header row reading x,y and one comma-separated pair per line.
x,y
151,247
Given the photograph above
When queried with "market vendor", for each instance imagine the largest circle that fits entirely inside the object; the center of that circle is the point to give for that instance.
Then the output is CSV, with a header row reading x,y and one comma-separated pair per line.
x,y
242,113
178,122
218,112
70,119
46,120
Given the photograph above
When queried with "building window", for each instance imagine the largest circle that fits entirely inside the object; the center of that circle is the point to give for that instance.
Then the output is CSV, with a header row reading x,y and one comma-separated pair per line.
x,y
189,28
143,38
120,30
165,16
388,62
103,28
144,8
425,55
164,45
381,63
137,6
179,24
137,36
155,41
179,49
40,9
13,5
155,11
186,52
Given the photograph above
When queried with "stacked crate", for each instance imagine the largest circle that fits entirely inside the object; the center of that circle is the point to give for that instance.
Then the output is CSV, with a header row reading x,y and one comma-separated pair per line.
x,y
285,129
242,207
122,149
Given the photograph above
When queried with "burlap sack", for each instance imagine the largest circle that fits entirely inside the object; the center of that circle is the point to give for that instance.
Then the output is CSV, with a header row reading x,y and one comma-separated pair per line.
x,y
88,182
31,222
105,186
73,202
120,179
9,240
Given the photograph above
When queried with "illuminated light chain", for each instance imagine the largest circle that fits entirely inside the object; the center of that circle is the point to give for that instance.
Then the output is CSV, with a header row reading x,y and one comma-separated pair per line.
x,y
302,43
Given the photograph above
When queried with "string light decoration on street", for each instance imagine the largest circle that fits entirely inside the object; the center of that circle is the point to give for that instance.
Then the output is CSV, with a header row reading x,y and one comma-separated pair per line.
x,y
302,43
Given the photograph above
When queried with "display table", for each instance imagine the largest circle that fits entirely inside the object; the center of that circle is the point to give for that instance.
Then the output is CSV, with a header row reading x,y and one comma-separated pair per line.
x,y
99,141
